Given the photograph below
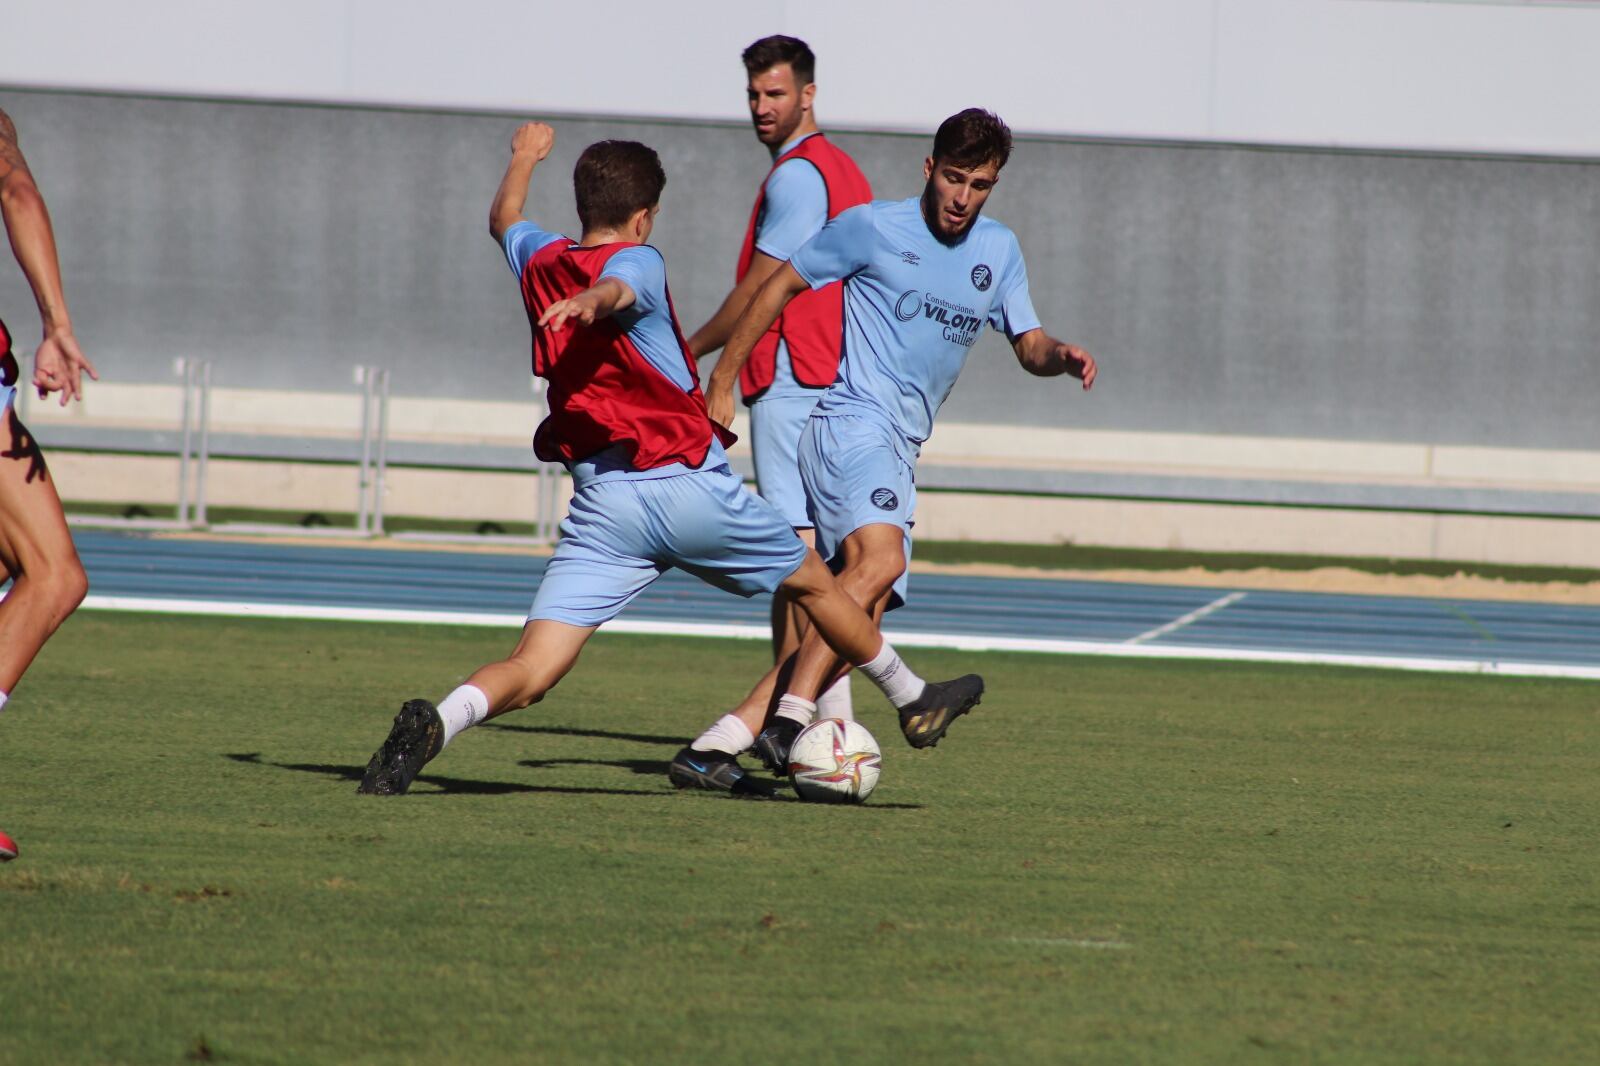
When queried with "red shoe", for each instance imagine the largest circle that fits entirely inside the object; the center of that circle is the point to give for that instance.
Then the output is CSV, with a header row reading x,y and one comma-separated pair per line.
x,y
8,848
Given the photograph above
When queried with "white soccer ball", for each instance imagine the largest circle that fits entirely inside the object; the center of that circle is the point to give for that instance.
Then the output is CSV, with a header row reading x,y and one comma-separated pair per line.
x,y
834,761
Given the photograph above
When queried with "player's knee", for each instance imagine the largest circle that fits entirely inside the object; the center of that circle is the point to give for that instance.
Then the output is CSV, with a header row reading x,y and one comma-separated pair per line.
x,y
868,577
64,583
74,587
812,579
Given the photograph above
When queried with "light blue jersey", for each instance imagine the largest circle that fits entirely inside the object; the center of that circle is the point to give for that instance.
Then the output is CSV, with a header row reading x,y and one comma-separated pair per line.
x,y
913,308
648,322
793,210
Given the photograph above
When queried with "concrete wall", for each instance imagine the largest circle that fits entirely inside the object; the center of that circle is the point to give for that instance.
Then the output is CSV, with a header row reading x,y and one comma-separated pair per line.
x,y
1227,290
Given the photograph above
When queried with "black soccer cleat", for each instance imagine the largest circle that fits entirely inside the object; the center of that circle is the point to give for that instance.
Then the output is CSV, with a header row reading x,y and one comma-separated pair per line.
x,y
774,743
715,771
941,703
416,737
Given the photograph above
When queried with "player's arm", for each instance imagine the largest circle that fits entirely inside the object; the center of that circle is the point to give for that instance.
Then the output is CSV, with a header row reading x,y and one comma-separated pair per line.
x,y
1042,355
591,305
840,249
529,145
769,301
719,328
795,208
58,364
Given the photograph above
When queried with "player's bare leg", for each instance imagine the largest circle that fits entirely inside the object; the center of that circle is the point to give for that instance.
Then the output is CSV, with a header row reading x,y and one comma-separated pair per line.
x,y
36,553
710,761
789,627
874,558
846,634
543,656
48,581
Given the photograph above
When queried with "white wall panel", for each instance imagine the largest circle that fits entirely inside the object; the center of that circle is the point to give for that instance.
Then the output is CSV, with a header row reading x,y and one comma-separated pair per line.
x,y
1493,77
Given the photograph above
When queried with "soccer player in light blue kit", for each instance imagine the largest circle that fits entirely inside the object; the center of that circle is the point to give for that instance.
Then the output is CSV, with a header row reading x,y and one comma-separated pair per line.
x,y
922,278
652,486
811,181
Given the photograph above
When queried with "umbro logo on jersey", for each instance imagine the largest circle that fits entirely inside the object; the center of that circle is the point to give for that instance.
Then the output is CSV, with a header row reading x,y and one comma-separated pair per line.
x,y
982,277
911,258
884,500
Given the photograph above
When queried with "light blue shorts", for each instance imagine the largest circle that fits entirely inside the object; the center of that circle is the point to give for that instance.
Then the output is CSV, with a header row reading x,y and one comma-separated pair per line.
x,y
775,427
7,395
621,535
854,477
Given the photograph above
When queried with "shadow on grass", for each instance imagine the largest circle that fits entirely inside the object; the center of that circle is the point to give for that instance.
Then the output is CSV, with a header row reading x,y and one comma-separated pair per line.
x,y
568,731
636,766
449,786
455,786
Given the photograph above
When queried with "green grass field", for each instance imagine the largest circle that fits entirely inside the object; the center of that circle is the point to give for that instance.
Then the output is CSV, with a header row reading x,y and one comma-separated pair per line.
x,y
1110,862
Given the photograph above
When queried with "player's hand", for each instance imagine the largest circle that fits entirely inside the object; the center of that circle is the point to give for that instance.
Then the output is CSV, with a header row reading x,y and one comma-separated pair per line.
x,y
719,405
533,138
59,366
1080,364
557,315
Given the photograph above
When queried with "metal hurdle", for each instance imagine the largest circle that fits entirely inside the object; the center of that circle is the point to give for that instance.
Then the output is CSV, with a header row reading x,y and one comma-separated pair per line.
x,y
374,382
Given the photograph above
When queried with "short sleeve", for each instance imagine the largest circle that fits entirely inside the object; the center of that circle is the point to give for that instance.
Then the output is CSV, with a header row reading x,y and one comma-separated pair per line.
x,y
842,248
521,241
644,271
1012,310
793,208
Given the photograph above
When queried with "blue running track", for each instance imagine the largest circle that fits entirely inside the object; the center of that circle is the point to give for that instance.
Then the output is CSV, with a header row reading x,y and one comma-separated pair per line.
x,y
190,575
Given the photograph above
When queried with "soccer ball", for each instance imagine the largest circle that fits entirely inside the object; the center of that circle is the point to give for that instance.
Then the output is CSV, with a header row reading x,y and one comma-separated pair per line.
x,y
834,761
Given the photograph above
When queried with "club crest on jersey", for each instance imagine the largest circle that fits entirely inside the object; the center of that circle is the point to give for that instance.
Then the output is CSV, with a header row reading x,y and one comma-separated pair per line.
x,y
982,277
884,500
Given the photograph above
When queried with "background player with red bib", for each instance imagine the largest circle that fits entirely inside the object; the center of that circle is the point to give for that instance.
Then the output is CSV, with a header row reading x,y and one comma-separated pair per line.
x,y
811,181
47,580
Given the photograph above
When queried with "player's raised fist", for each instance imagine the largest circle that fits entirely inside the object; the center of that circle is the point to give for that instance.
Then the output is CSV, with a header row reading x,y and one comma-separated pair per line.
x,y
533,138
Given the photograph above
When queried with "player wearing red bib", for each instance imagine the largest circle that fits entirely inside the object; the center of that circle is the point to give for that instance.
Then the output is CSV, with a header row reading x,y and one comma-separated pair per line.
x,y
811,181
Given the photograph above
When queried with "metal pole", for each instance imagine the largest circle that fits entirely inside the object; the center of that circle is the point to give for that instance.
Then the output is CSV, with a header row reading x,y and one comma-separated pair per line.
x,y
184,367
383,452
364,379
205,443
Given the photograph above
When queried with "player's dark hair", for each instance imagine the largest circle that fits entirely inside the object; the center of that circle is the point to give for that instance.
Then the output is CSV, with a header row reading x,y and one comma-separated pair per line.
x,y
972,138
770,51
614,179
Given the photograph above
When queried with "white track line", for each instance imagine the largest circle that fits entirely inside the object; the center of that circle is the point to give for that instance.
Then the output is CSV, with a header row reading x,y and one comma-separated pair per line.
x,y
956,641
1192,616
1064,942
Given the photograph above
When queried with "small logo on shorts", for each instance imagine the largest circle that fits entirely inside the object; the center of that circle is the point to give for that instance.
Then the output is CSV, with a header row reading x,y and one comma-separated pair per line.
x,y
908,306
982,277
884,500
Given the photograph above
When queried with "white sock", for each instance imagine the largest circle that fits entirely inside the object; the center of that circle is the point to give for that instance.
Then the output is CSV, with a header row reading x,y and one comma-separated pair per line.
x,y
796,709
835,703
3,698
462,709
727,734
890,673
